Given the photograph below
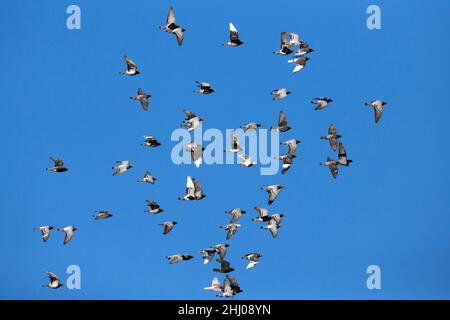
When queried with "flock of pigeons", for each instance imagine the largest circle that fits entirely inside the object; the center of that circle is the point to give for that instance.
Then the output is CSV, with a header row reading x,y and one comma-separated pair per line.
x,y
290,44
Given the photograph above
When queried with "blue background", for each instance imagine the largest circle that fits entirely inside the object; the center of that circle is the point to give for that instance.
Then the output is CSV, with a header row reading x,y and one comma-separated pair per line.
x,y
61,95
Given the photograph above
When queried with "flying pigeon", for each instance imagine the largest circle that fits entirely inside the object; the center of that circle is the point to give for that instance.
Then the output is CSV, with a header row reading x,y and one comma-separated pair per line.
x,y
192,123
272,226
215,285
277,218
224,266
234,284
172,27
227,292
279,94
58,165
282,123
221,249
332,164
148,178
142,97
288,40
250,126
343,161
247,161
321,103
236,213
69,230
208,254
231,228
263,215
154,207
205,88
54,281
102,214
332,137
273,192
131,67
235,146
292,145
122,167
45,231
253,259
196,151
168,226
287,161
193,190
300,62
234,37
377,106
178,257
151,142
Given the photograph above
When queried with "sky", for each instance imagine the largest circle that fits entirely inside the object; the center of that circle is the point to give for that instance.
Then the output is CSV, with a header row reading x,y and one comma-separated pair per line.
x,y
62,95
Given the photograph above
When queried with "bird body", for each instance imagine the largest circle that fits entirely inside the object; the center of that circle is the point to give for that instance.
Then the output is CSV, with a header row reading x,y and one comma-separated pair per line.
x,y
234,37
231,228
377,106
122,167
168,226
58,165
205,88
282,123
142,97
69,230
178,258
154,207
148,178
273,192
332,164
54,281
45,231
132,69
236,213
332,137
321,103
193,190
279,94
102,214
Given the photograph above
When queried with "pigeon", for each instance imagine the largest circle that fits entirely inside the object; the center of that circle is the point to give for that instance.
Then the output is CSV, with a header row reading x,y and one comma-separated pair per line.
x,y
58,165
224,266
272,226
236,213
253,259
332,137
102,214
221,249
196,151
235,146
215,286
193,190
131,67
148,178
282,123
302,51
231,228
123,166
154,207
205,88
54,281
45,231
343,161
287,161
249,127
247,161
192,123
151,142
377,106
292,145
273,191
227,292
332,164
279,94
178,257
172,27
168,226
142,97
208,254
234,285
321,102
69,230
189,114
277,218
288,40
234,37
263,215
300,62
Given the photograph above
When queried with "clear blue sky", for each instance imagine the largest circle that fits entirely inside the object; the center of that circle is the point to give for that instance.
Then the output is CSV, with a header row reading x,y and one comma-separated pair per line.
x,y
61,95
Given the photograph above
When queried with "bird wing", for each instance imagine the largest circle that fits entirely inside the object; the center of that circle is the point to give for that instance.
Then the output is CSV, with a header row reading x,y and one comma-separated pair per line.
x,y
282,120
198,190
334,170
53,277
333,143
170,16
189,114
144,102
179,34
342,153
130,63
234,35
378,109
57,162
168,227
69,235
262,212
